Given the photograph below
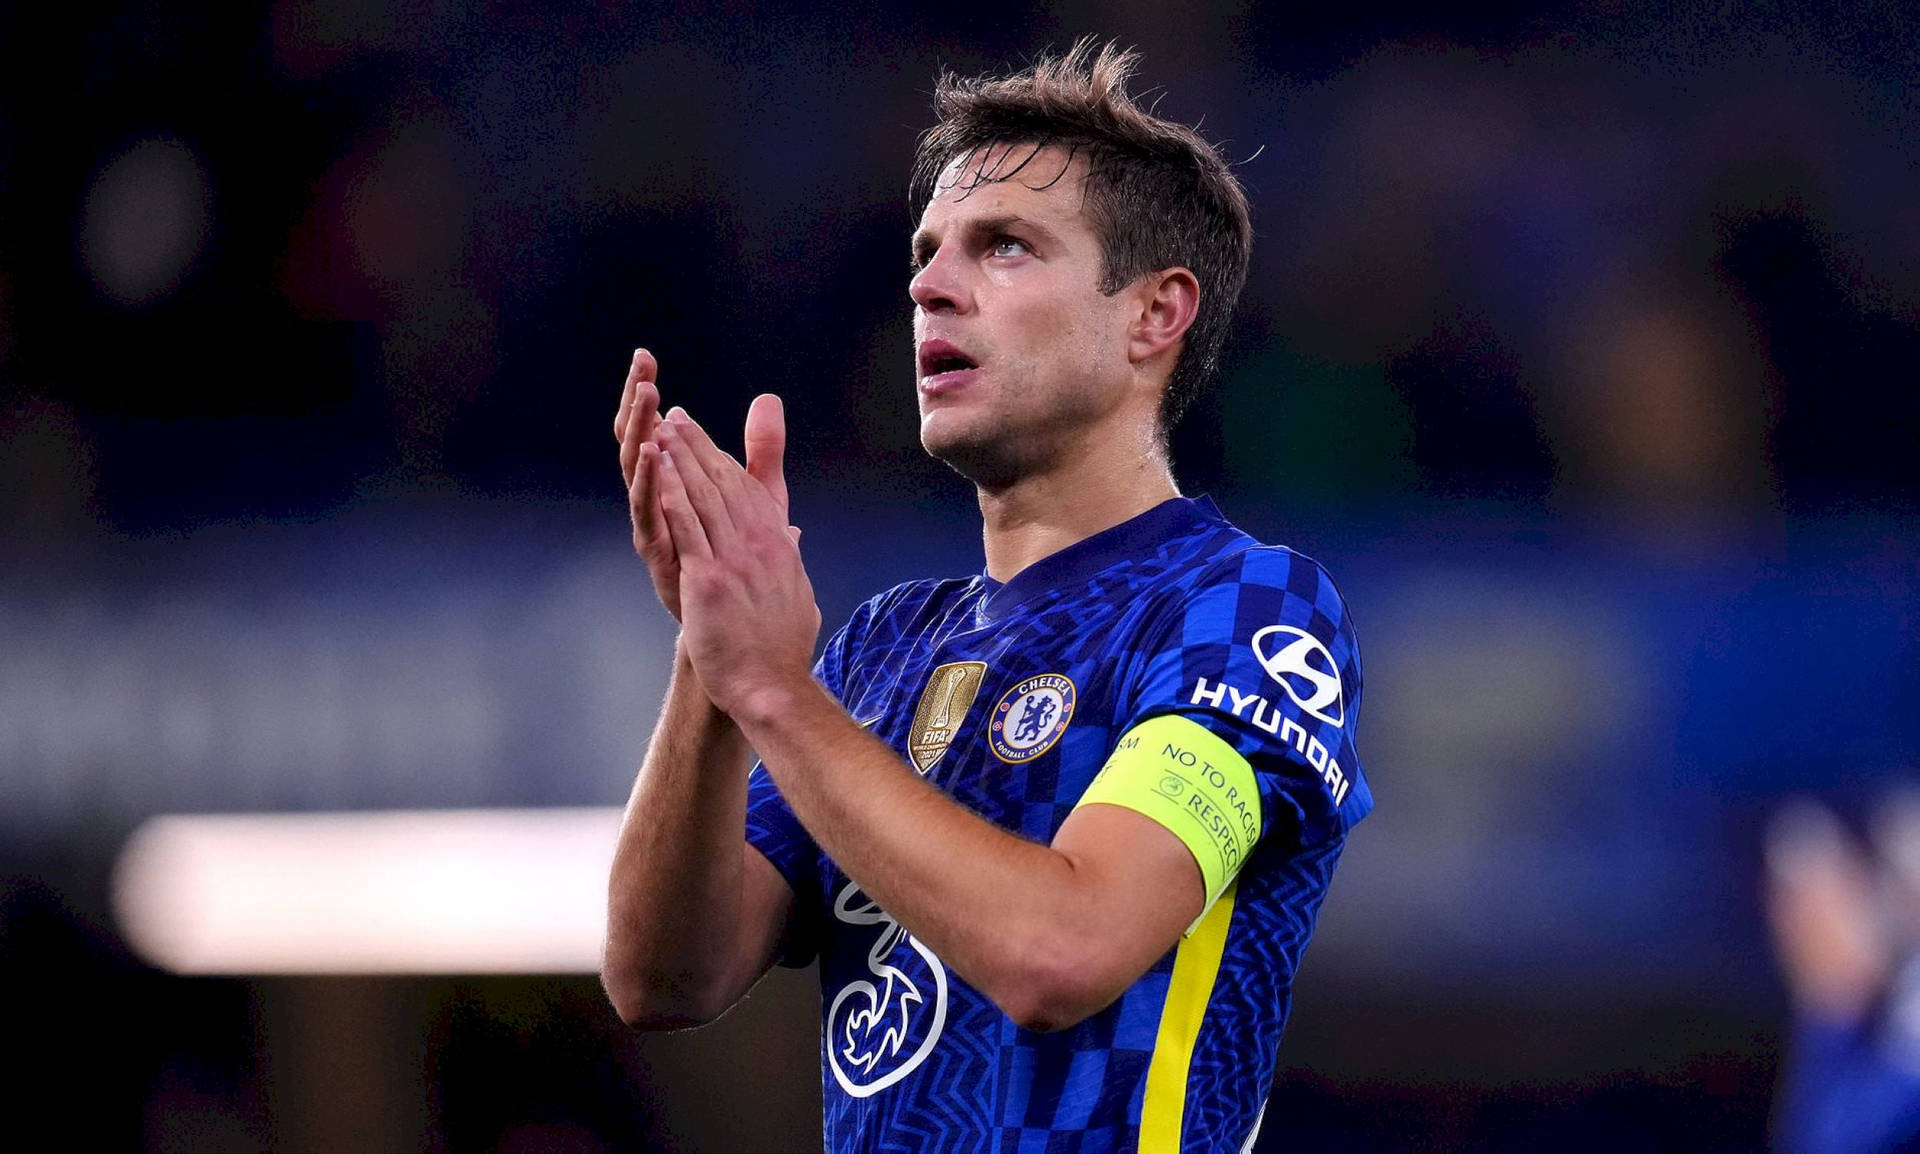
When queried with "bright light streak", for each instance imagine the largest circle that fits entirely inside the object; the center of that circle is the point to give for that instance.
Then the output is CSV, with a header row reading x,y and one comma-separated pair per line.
x,y
447,891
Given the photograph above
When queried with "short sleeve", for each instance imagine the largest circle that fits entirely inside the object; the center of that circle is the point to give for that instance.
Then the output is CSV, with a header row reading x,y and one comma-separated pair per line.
x,y
777,834
1260,651
772,827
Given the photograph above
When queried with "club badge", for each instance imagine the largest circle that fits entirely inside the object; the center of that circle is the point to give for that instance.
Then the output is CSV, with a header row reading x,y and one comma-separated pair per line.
x,y
1031,717
943,706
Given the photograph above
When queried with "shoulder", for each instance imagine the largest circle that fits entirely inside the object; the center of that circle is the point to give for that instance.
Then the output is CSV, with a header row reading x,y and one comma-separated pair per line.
x,y
1269,567
1222,554
1247,584
1299,586
1261,651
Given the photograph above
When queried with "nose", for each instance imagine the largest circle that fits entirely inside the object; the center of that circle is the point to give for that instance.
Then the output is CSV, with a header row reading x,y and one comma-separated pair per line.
x,y
939,285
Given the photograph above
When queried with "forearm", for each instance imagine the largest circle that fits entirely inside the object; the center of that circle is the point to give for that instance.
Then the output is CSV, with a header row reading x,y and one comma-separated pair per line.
x,y
674,893
997,908
1015,919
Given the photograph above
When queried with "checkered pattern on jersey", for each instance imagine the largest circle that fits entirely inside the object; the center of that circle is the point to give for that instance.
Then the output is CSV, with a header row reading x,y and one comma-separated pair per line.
x,y
1203,663
1280,895
1080,1089
1132,617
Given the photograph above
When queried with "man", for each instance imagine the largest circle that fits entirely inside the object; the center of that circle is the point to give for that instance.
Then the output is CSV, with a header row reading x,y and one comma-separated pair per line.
x,y
1844,912
1015,953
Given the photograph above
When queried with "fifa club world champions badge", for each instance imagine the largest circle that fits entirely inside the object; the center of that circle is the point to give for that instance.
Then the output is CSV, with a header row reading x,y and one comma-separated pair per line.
x,y
1031,717
943,706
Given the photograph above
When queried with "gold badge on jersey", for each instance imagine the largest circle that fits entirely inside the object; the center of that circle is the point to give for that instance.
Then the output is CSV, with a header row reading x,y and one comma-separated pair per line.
x,y
943,706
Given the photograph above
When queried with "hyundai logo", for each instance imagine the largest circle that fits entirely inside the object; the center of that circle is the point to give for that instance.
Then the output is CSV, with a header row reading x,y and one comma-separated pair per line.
x,y
1305,669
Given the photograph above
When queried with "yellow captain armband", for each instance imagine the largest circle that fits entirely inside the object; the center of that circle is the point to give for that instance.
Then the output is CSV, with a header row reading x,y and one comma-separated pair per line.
x,y
1175,771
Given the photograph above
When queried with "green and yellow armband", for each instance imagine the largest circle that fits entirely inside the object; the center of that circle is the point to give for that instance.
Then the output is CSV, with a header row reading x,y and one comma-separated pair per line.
x,y
1175,771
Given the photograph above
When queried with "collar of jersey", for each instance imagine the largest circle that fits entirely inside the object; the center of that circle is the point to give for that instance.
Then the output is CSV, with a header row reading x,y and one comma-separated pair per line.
x,y
1083,559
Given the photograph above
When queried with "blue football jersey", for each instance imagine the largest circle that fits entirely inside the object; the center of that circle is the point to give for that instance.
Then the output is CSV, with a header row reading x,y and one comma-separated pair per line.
x,y
1010,697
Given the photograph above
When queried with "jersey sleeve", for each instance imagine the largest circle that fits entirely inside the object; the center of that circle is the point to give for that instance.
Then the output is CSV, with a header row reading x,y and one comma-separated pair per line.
x,y
772,827
1261,653
776,833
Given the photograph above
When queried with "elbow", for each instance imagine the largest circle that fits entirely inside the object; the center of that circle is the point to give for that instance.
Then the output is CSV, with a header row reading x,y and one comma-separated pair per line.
x,y
1059,985
649,1001
642,1012
1041,1016
1048,1008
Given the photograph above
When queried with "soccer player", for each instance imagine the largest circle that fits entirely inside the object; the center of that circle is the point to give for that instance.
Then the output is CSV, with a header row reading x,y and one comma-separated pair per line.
x,y
1057,833
1845,918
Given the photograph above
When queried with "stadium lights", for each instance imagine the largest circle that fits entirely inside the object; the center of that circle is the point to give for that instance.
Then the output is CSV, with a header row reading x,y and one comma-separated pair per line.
x,y
410,892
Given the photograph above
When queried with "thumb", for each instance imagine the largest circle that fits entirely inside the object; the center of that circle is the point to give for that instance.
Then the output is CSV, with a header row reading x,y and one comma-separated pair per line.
x,y
766,442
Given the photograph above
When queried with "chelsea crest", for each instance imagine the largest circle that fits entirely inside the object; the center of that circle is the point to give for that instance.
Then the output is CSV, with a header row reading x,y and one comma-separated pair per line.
x,y
1031,717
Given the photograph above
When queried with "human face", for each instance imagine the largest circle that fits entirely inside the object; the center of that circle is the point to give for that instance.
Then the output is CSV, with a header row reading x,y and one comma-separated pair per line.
x,y
1018,350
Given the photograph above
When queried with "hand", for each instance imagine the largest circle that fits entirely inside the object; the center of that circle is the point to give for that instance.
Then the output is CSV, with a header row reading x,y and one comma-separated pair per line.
x,y
750,618
1825,903
635,426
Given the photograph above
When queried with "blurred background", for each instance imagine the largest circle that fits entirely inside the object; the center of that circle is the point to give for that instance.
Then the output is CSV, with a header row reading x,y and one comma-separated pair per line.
x,y
1581,345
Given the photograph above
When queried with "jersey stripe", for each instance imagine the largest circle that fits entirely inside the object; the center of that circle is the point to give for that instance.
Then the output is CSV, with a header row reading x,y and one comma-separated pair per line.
x,y
1194,969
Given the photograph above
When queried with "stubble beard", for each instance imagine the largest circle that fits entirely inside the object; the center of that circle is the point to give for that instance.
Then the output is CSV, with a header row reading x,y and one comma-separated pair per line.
x,y
978,447
991,461
996,453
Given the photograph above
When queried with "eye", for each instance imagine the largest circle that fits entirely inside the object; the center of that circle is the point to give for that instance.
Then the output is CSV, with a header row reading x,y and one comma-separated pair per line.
x,y
1010,246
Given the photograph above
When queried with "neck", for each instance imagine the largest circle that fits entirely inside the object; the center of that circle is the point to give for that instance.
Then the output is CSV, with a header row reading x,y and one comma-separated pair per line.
x,y
1084,491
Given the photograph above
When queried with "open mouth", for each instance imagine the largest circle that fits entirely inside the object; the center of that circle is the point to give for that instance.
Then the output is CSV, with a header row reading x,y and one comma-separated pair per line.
x,y
938,358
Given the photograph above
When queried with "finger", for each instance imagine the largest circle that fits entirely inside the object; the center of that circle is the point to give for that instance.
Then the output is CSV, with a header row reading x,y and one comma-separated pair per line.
x,y
703,495
651,537
695,435
676,509
642,368
642,419
725,473
626,399
766,443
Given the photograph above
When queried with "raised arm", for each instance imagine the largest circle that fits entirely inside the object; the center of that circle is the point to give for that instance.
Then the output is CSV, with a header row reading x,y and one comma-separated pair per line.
x,y
1051,933
694,915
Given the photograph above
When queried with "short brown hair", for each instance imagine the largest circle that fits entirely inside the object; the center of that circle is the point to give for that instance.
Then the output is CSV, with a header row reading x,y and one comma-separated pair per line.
x,y
1157,194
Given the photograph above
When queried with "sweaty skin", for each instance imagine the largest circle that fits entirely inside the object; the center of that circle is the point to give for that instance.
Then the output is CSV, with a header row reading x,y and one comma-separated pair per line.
x,y
1057,426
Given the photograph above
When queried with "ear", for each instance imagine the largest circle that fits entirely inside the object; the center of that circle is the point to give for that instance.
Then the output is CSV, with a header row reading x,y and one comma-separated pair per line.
x,y
1168,300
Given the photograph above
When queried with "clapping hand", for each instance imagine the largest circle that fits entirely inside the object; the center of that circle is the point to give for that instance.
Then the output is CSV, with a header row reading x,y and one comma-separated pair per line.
x,y
636,425
748,614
